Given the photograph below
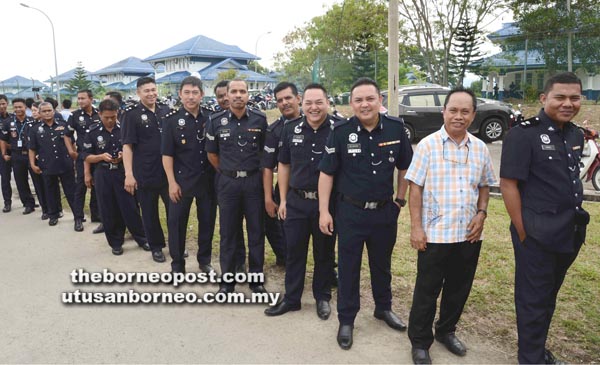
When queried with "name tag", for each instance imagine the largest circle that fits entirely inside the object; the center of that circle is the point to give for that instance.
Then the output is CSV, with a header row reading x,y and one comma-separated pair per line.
x,y
225,133
354,148
298,138
548,147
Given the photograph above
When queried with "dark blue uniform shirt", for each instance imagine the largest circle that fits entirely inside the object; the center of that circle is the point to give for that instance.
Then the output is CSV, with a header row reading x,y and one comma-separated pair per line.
x,y
99,140
545,161
238,142
142,129
305,147
81,122
47,141
272,138
184,139
16,133
363,162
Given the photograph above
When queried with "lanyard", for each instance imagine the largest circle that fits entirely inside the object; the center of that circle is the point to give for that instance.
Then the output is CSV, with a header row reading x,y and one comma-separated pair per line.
x,y
17,125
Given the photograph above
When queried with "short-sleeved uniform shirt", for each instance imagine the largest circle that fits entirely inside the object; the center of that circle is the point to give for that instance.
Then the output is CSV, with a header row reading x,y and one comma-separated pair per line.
x,y
363,162
184,139
99,140
143,128
16,134
451,174
544,159
80,122
238,142
272,139
47,141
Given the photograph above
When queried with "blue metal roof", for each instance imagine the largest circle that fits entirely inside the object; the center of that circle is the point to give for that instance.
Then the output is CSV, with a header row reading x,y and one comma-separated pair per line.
x,y
131,65
515,59
202,46
212,72
21,82
67,76
508,30
174,78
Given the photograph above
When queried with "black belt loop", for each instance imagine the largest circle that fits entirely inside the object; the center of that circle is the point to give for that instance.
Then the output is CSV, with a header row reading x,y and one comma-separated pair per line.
x,y
307,194
238,174
366,205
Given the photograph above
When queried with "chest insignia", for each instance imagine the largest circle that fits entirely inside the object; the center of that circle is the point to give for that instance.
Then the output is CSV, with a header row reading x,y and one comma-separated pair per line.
x,y
545,138
353,137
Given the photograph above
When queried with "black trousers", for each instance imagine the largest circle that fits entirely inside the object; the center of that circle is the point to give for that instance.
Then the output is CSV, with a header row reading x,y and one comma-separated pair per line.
x,y
20,166
357,227
148,199
81,190
67,180
179,214
118,208
539,275
302,222
274,231
5,170
238,199
449,268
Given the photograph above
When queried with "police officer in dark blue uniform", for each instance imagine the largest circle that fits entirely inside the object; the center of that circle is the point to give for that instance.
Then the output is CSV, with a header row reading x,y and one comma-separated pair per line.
x,y
302,146
539,178
49,156
102,147
5,167
190,176
360,157
80,121
141,130
14,136
235,139
288,102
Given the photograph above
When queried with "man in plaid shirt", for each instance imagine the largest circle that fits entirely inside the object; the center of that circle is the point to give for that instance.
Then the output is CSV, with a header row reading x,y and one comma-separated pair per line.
x,y
449,178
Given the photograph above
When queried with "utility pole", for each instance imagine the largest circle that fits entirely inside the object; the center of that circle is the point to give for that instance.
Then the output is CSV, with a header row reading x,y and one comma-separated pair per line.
x,y
393,58
569,40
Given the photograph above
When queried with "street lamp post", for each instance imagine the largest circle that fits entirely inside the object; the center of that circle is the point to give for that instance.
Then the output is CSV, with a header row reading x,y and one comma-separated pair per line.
x,y
256,49
54,44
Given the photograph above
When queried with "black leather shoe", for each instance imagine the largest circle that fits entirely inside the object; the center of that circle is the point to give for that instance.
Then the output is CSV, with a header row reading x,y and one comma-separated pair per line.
x,y
117,251
323,309
28,210
206,268
241,268
420,356
45,216
7,208
78,225
452,343
344,336
550,359
158,256
258,289
99,229
224,290
391,319
145,247
282,308
60,215
53,221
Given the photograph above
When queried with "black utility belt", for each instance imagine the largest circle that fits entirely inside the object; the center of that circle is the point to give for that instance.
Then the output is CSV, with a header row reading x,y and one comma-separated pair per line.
x,y
306,194
238,174
24,152
366,205
111,166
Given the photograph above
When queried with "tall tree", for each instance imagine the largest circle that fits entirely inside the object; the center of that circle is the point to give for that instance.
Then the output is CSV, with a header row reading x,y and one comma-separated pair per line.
x,y
465,48
79,80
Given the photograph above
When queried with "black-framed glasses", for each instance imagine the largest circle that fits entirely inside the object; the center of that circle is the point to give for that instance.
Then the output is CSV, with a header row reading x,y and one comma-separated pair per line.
x,y
457,156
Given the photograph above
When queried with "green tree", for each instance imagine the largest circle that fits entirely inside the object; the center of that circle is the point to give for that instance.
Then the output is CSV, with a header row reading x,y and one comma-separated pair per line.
x,y
79,80
228,75
465,49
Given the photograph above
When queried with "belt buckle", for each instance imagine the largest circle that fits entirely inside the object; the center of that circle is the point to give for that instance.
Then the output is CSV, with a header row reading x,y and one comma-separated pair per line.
x,y
312,195
370,205
113,166
239,174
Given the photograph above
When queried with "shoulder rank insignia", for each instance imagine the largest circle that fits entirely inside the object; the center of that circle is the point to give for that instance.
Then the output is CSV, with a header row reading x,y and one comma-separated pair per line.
x,y
530,122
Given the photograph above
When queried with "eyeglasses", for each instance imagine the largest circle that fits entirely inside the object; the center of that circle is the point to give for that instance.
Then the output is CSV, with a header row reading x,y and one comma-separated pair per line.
x,y
456,156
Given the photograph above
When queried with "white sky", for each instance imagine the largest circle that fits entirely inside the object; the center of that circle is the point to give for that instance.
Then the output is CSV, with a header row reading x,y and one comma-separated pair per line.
x,y
100,33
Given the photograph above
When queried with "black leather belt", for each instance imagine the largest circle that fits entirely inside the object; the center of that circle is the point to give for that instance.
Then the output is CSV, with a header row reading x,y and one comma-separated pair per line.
x,y
24,152
307,194
238,174
111,166
367,205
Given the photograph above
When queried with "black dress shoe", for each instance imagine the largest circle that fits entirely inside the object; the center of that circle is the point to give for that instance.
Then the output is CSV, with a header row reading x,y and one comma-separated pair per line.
x,y
60,215
258,289
206,268
391,319
99,229
53,221
344,336
7,208
145,247
117,251
452,343
323,309
550,359
78,225
28,210
282,308
45,216
224,290
420,356
158,256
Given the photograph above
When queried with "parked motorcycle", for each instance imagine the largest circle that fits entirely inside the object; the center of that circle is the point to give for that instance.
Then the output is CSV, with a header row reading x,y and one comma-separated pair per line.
x,y
590,157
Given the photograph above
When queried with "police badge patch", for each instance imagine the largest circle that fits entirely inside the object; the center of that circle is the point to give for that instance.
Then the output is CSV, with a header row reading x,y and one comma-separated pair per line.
x,y
181,122
224,121
545,138
353,137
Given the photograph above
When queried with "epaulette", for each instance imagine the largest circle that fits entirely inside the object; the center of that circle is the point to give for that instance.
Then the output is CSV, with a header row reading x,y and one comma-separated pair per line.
x,y
339,122
206,110
95,126
218,114
530,122
131,107
336,117
171,113
396,119
274,125
294,120
257,112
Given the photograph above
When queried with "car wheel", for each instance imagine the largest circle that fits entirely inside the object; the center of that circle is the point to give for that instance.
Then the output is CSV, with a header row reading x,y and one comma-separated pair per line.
x,y
410,132
596,179
491,130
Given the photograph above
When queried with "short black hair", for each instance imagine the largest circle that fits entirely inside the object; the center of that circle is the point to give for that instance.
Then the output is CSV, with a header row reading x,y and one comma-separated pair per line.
x,y
116,96
238,80
193,81
222,83
87,91
108,105
3,97
21,100
562,78
462,89
365,81
284,85
66,103
28,102
52,101
316,86
145,80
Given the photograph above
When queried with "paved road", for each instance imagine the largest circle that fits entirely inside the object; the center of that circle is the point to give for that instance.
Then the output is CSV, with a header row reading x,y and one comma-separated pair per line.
x,y
37,327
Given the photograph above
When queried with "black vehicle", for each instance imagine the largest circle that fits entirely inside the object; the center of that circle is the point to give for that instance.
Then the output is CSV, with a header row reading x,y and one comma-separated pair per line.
x,y
421,109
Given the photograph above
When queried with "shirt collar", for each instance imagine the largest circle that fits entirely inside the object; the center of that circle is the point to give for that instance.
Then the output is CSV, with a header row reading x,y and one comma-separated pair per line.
x,y
446,137
378,126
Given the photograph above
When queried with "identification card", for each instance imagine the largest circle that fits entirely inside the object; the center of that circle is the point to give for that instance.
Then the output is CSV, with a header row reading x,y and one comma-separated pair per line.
x,y
19,143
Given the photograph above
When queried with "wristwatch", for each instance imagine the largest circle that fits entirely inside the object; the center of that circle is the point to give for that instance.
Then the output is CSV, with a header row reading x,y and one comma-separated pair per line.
x,y
401,202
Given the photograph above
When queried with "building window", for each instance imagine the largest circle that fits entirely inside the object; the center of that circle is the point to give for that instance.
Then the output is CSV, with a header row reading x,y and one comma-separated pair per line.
x,y
518,79
540,81
529,78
